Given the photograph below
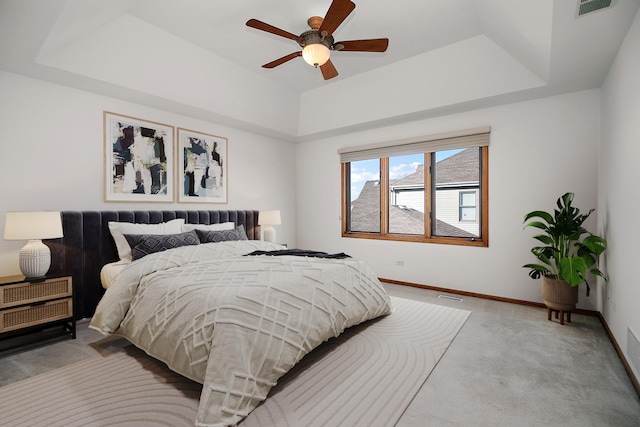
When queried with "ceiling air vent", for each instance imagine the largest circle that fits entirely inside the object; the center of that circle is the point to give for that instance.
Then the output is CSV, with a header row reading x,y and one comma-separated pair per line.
x,y
588,6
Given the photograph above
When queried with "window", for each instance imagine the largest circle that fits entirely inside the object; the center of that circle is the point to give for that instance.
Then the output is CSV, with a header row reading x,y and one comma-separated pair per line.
x,y
467,206
364,187
430,189
406,194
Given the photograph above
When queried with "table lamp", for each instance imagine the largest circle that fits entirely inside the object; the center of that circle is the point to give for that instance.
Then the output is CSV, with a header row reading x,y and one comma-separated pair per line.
x,y
267,219
35,256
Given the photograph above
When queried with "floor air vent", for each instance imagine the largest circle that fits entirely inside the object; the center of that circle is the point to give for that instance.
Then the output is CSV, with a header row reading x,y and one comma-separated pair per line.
x,y
633,349
588,6
450,298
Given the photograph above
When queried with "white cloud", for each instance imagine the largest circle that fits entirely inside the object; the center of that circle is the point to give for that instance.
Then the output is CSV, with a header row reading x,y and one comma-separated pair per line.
x,y
363,176
359,176
402,170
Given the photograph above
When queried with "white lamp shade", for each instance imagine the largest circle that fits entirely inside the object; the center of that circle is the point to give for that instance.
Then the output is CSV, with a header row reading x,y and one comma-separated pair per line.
x,y
35,256
32,225
316,54
269,218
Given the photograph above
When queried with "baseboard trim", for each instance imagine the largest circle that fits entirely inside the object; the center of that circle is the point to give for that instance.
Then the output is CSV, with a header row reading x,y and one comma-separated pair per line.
x,y
483,296
625,363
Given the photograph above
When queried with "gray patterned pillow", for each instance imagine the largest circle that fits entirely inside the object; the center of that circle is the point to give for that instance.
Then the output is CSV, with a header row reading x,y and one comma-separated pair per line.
x,y
145,244
212,236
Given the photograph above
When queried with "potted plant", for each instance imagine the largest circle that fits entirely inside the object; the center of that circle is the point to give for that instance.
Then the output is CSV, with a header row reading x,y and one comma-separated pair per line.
x,y
567,253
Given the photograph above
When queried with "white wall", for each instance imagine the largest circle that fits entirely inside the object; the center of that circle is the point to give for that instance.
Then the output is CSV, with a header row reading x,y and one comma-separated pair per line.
x,y
618,197
51,158
539,150
479,67
223,88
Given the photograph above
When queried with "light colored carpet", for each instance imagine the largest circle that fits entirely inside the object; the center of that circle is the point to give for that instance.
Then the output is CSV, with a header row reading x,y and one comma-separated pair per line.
x,y
125,388
365,377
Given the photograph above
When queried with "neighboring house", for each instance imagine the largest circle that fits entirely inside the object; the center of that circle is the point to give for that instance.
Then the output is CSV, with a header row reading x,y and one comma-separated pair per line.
x,y
409,191
457,193
458,190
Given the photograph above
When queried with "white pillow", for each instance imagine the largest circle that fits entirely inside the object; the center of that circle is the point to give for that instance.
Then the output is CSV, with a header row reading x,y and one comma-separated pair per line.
x,y
119,229
108,272
211,227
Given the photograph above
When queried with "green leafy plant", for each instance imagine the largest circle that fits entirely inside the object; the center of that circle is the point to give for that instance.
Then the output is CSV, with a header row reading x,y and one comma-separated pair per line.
x,y
568,250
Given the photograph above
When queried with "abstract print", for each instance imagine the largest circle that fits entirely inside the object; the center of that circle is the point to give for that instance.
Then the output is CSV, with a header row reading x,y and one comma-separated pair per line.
x,y
203,161
139,159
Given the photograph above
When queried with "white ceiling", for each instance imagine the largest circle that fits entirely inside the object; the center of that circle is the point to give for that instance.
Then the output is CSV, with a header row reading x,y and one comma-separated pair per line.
x,y
149,50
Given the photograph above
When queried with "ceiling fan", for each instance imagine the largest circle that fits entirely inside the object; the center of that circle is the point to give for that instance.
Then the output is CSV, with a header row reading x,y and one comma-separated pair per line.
x,y
317,43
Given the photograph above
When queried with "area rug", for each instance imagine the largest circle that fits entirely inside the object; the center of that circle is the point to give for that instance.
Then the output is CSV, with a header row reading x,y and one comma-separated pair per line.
x,y
365,377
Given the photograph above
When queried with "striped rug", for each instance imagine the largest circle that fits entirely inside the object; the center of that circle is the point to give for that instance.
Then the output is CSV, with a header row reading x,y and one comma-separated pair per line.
x,y
365,377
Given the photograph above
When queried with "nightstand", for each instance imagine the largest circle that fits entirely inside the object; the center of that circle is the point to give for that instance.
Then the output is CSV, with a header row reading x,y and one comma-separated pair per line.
x,y
29,305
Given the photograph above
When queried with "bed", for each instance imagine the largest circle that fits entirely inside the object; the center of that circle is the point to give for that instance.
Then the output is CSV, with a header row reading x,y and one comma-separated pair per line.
x,y
218,307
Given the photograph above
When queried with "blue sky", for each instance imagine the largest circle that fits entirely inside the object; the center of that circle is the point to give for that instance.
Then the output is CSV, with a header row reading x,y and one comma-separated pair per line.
x,y
399,167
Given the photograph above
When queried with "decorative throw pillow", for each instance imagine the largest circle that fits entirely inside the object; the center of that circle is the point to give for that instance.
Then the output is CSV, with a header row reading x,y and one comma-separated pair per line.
x,y
119,229
145,244
213,236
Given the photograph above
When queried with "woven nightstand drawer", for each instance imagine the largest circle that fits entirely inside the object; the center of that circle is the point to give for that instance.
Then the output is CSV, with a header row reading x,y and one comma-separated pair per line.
x,y
30,292
22,317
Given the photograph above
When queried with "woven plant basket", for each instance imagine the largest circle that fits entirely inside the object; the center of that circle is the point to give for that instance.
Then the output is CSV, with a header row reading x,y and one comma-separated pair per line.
x,y
558,295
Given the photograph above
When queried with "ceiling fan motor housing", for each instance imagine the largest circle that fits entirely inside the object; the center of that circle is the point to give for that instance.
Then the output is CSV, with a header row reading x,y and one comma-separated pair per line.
x,y
312,36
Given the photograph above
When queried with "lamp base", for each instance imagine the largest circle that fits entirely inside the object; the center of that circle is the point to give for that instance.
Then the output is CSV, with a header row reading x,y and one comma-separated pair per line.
x,y
269,234
35,259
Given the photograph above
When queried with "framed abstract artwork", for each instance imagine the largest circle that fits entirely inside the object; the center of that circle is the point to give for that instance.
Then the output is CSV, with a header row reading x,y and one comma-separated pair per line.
x,y
202,167
139,160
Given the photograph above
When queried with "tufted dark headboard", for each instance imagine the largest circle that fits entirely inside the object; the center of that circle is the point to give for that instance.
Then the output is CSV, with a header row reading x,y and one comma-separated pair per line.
x,y
87,245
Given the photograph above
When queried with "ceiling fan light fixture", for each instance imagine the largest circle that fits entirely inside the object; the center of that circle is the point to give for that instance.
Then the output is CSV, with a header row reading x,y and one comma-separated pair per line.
x,y
316,54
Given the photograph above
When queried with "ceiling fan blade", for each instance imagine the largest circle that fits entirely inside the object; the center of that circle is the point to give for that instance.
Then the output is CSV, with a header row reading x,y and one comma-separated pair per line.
x,y
328,70
282,60
259,25
371,45
337,13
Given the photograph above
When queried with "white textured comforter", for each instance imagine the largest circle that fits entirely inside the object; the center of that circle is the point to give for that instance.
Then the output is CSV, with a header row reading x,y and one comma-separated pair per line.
x,y
236,323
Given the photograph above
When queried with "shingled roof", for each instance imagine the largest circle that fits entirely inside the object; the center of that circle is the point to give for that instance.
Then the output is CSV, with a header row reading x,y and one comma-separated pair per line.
x,y
461,167
365,210
405,220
